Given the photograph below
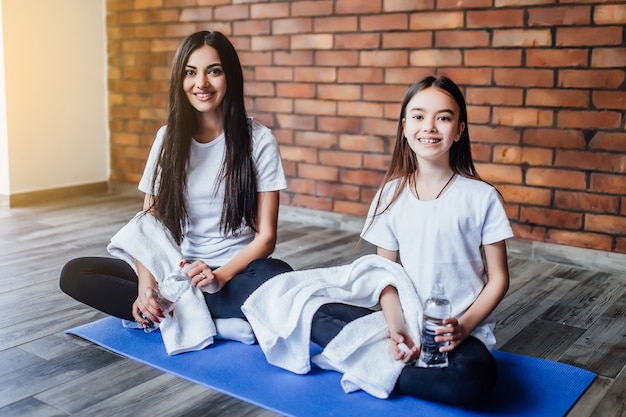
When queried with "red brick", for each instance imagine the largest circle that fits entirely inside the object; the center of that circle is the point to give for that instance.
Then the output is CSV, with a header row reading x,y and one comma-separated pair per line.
x,y
557,178
554,138
311,8
494,96
555,97
495,18
393,40
258,58
615,225
316,140
608,57
524,77
336,58
537,156
232,12
498,134
383,58
339,24
549,217
436,58
481,152
609,14
522,37
318,172
312,41
479,114
460,39
511,116
406,76
318,107
301,186
293,25
267,10
361,177
311,202
590,78
295,58
559,16
374,126
589,119
300,90
609,100
493,58
263,73
341,159
532,232
351,207
469,76
507,154
269,43
557,57
274,105
360,75
382,93
251,27
582,201
406,6
384,22
337,191
314,74
299,154
498,174
363,143
525,195
581,239
376,162
608,183
609,141
357,41
593,161
283,136
339,124
436,20
589,36
358,6
289,121
359,109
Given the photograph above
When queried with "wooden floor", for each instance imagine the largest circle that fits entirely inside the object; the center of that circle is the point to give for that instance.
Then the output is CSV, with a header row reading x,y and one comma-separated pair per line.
x,y
555,311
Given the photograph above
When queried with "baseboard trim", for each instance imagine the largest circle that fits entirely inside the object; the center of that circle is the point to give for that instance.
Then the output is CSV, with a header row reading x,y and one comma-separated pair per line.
x,y
37,197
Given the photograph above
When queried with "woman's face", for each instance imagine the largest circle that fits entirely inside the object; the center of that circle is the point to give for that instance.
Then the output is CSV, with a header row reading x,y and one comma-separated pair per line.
x,y
205,82
431,123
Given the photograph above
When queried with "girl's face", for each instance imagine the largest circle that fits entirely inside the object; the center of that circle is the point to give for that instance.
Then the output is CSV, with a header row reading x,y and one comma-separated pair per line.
x,y
205,82
431,124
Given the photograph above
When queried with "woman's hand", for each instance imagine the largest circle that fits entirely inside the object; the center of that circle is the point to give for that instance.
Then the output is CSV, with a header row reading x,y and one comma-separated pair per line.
x,y
403,348
452,332
147,305
201,276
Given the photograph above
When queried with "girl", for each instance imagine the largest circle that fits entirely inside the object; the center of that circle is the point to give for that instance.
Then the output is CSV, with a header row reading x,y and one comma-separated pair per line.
x,y
212,179
435,214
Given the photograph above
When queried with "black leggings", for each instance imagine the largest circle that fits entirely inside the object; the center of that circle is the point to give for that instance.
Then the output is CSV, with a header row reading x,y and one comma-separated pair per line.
x,y
469,378
110,285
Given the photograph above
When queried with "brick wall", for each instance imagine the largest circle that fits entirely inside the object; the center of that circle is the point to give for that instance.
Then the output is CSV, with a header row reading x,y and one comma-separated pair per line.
x,y
544,82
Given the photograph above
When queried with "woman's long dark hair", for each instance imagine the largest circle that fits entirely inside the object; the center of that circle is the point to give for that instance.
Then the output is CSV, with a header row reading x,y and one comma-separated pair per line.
x,y
404,162
237,172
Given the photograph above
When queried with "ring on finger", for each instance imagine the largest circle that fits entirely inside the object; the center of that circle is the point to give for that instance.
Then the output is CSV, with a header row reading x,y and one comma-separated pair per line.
x,y
201,275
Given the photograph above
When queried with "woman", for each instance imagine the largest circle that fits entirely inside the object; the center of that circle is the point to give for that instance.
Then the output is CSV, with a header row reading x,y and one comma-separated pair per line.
x,y
212,179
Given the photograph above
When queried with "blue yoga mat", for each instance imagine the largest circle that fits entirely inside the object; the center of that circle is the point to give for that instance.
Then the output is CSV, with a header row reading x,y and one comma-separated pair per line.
x,y
526,386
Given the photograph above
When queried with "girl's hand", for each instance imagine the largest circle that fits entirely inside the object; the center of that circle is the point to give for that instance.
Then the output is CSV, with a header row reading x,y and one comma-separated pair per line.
x,y
147,305
202,276
403,348
453,332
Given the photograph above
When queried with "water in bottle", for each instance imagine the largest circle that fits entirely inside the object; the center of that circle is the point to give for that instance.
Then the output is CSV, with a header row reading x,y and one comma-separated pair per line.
x,y
168,293
436,309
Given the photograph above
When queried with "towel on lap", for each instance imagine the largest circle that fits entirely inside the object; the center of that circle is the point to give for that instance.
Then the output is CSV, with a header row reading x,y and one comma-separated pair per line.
x,y
191,327
281,310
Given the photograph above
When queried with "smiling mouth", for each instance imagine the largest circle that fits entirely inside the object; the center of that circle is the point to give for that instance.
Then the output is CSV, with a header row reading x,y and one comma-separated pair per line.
x,y
204,96
429,140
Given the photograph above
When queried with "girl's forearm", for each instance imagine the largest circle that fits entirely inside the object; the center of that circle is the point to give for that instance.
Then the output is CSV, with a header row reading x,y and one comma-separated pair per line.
x,y
392,309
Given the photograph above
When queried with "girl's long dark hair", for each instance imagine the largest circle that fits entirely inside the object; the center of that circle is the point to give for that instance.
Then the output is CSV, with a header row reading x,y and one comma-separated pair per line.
x,y
404,162
237,172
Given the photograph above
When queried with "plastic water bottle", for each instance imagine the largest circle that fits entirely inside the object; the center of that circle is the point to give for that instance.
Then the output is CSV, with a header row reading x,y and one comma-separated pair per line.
x,y
436,308
168,293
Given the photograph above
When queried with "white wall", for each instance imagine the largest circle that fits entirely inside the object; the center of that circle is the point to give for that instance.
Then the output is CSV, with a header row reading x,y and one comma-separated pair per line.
x,y
54,88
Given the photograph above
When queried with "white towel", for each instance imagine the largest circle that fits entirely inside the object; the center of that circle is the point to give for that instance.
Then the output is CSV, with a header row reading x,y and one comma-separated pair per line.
x,y
281,310
191,327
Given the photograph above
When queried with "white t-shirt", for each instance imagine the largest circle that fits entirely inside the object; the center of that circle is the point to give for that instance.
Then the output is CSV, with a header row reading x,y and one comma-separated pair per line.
x,y
202,237
442,238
